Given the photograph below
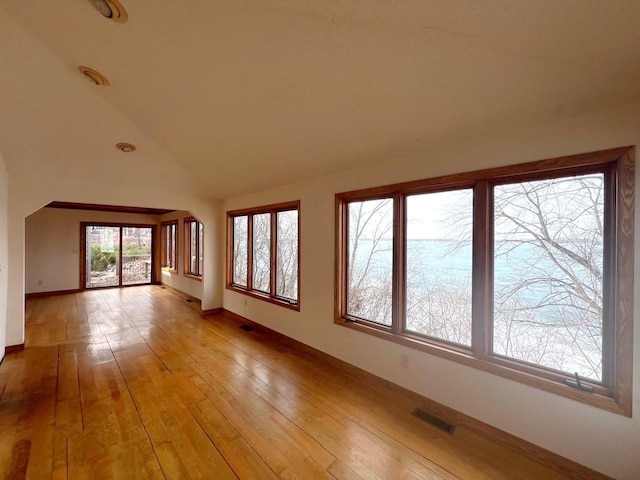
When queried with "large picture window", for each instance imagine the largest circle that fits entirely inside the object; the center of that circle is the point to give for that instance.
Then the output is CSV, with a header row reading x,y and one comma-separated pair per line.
x,y
263,253
525,271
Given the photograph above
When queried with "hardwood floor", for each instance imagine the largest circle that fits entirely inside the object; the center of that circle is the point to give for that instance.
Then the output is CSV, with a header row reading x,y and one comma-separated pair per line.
x,y
133,383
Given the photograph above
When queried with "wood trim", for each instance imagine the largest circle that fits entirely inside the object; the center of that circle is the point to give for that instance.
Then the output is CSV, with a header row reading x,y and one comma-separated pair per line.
x,y
614,393
623,375
230,251
273,211
186,226
249,254
528,449
212,311
265,298
482,267
273,252
29,296
299,208
83,251
506,173
341,251
512,370
174,242
108,208
193,277
265,209
13,348
399,275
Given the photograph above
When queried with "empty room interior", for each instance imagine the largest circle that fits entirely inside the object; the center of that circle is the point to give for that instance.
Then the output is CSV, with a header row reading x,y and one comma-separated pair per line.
x,y
319,239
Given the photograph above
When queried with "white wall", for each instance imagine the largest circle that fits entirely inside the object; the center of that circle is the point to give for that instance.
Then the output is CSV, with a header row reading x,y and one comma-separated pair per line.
x,y
58,137
601,440
52,245
177,279
4,205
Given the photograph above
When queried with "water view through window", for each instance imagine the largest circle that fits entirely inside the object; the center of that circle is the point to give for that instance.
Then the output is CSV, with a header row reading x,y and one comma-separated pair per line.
x,y
438,265
371,260
548,285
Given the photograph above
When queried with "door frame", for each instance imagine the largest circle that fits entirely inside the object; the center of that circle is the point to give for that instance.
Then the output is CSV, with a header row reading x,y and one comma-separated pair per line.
x,y
83,251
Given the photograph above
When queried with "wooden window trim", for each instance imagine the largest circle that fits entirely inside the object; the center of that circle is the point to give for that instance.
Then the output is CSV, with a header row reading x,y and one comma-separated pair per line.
x,y
615,392
273,210
187,248
163,249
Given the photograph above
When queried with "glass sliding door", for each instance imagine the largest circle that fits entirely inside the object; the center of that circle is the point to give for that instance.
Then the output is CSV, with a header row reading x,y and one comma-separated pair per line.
x,y
136,255
117,255
102,256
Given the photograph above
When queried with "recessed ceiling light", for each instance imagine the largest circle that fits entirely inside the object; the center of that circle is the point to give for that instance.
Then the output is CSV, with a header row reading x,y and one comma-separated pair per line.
x,y
112,9
126,147
103,7
95,76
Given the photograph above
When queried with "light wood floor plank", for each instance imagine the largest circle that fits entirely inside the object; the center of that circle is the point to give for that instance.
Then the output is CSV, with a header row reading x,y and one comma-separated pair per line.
x,y
133,383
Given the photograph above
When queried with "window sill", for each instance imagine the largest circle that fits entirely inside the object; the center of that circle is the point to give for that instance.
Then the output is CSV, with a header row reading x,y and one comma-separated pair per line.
x,y
193,277
266,298
170,269
533,376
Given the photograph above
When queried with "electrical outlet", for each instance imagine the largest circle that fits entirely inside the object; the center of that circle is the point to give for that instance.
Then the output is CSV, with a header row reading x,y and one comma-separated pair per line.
x,y
39,282
404,360
245,302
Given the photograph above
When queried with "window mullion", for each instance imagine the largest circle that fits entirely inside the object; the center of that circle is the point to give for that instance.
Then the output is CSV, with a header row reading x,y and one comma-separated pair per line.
x,y
273,245
197,242
342,253
120,260
231,248
199,228
399,276
482,273
186,229
609,274
250,252
169,255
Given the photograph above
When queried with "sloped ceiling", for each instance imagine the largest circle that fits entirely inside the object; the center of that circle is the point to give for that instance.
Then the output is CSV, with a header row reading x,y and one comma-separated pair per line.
x,y
247,95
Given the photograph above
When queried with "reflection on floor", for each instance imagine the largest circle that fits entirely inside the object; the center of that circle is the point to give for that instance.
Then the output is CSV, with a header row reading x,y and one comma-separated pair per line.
x,y
133,383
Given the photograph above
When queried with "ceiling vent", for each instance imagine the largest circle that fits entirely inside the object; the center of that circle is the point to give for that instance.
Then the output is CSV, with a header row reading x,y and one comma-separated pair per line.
x,y
126,147
95,77
112,9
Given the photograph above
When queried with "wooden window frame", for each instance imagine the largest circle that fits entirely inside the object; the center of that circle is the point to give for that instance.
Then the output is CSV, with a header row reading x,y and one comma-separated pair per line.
x,y
173,265
120,225
271,296
197,275
614,393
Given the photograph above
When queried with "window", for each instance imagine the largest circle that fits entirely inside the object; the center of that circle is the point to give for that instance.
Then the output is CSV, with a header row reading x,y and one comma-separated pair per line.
x,y
524,271
263,253
116,255
370,260
240,253
170,245
193,234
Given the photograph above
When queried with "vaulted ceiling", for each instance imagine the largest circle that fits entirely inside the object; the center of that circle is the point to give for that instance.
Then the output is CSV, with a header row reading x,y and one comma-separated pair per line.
x,y
247,95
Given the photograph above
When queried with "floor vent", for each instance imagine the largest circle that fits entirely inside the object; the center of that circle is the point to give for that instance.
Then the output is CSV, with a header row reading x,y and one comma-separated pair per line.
x,y
433,420
163,288
246,328
188,300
